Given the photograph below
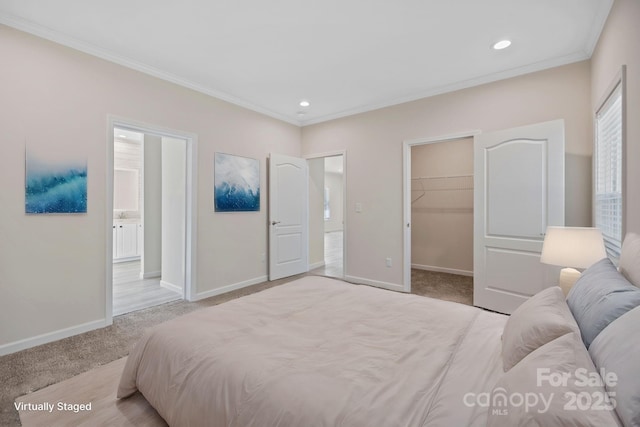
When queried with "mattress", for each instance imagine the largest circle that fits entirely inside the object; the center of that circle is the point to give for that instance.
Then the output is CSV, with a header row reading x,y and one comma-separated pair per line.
x,y
320,352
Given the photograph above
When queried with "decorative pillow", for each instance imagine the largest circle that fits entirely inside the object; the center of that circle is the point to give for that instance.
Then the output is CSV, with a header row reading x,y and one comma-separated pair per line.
x,y
539,320
599,297
629,258
548,388
616,351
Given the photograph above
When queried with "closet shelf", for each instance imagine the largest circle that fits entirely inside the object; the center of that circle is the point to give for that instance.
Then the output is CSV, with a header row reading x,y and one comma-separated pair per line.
x,y
422,184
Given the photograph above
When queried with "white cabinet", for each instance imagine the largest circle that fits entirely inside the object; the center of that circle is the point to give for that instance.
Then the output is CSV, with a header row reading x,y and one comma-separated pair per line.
x,y
115,243
126,240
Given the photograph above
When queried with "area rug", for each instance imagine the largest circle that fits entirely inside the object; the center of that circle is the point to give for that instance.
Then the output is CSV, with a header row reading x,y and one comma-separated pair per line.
x,y
88,399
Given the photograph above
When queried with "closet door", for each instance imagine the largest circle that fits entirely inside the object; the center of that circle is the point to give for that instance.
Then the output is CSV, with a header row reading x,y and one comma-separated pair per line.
x,y
519,191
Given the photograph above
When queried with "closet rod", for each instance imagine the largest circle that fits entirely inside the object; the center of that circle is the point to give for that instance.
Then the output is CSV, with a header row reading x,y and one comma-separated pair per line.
x,y
443,177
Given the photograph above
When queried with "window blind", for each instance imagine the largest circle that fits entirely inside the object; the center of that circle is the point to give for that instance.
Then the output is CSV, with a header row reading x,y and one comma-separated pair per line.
x,y
608,172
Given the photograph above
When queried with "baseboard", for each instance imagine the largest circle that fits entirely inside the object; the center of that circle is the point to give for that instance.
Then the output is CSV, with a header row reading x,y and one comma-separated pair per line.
x,y
442,270
150,275
316,265
171,287
51,336
229,288
376,283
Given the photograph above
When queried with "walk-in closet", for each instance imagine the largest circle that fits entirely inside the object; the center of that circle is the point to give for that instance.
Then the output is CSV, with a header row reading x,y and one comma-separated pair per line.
x,y
442,207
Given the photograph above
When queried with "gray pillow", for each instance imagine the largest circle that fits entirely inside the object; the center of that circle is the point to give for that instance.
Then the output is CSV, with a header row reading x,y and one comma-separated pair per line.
x,y
599,297
629,265
616,350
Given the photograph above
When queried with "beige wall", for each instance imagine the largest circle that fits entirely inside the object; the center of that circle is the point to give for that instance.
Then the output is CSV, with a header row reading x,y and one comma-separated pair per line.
x,y
53,267
618,45
442,209
373,142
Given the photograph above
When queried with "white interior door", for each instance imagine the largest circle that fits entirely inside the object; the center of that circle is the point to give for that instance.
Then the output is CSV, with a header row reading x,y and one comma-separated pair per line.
x,y
519,191
288,216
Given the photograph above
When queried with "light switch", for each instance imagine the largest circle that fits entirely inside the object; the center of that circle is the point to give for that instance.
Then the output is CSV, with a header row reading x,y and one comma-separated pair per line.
x,y
358,207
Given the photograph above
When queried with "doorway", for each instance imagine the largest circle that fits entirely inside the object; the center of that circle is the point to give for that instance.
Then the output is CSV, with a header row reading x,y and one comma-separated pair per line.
x,y
523,164
327,214
442,219
152,234
438,213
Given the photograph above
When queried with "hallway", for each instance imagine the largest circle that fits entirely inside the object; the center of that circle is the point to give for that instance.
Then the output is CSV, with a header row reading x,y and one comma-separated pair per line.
x,y
333,256
130,293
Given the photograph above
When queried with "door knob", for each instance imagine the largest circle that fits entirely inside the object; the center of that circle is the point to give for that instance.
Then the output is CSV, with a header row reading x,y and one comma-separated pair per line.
x,y
275,222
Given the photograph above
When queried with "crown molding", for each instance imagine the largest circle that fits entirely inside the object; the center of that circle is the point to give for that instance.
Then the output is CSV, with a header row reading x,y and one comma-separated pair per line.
x,y
73,43
488,78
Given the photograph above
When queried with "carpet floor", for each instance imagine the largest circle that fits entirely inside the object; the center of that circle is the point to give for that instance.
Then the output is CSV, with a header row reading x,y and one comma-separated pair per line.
x,y
30,370
445,286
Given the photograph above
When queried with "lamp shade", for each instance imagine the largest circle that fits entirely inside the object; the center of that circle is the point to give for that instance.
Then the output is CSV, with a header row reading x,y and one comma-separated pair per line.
x,y
577,247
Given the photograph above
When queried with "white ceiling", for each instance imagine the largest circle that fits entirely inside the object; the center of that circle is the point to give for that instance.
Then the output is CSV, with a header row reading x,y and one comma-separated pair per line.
x,y
344,56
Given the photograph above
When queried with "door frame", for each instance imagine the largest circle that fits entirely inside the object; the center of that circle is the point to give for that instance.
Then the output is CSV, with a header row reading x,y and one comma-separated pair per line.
x,y
406,193
189,290
336,153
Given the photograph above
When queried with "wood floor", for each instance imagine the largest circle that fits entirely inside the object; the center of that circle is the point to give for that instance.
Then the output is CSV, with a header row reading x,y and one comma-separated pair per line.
x,y
333,256
97,387
130,293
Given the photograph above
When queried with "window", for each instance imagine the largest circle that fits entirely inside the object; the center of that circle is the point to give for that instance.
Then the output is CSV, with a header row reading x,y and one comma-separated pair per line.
x,y
608,169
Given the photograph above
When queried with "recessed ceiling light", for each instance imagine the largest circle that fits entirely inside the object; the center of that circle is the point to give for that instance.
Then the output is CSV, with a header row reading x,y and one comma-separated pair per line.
x,y
304,103
502,44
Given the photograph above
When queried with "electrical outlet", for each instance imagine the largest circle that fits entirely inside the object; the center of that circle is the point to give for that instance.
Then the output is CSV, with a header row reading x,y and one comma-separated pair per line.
x,y
263,257
388,262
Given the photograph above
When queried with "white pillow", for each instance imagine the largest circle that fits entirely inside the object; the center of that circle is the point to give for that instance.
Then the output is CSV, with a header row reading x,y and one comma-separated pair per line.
x,y
534,394
616,350
629,264
539,320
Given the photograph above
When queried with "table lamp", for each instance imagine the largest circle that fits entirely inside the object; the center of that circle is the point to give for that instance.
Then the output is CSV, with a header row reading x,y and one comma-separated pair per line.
x,y
572,248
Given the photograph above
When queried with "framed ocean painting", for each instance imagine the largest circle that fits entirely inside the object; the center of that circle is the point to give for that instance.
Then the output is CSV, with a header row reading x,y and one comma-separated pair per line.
x,y
55,183
236,183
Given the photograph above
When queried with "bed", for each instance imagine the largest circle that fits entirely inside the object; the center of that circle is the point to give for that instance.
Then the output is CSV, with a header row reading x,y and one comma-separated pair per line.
x,y
323,352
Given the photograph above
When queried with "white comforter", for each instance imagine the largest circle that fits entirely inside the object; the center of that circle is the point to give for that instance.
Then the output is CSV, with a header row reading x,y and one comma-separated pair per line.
x,y
320,352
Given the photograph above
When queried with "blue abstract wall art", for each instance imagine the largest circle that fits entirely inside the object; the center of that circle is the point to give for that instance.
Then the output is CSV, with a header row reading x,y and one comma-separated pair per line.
x,y
236,183
54,184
